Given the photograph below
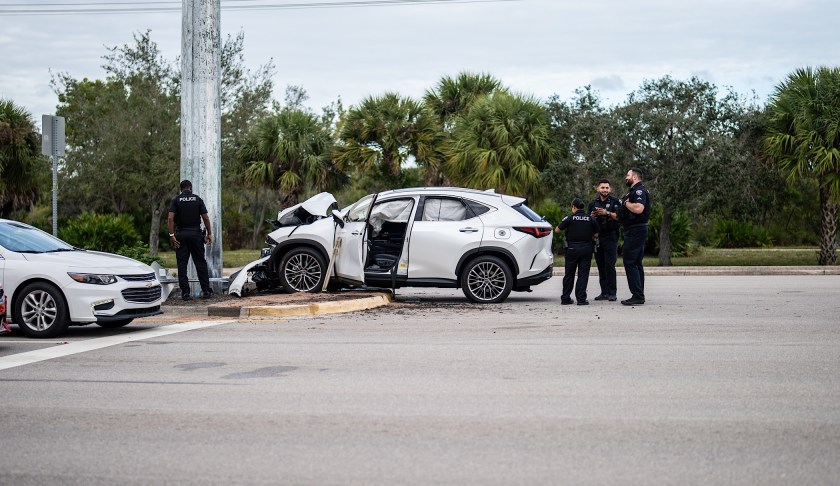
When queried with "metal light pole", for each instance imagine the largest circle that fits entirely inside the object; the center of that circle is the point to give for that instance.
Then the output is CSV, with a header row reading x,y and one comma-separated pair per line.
x,y
201,119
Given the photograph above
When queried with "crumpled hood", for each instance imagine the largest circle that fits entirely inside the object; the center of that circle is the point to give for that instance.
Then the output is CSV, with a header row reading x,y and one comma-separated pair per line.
x,y
316,205
91,262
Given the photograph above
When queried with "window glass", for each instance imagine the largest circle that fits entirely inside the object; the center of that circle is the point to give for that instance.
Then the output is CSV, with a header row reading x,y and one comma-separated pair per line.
x,y
444,209
477,208
23,238
527,212
358,211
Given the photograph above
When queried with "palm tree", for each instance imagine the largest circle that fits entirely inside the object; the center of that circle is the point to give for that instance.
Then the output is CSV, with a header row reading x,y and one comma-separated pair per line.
x,y
289,152
454,96
451,98
803,138
502,143
384,132
19,159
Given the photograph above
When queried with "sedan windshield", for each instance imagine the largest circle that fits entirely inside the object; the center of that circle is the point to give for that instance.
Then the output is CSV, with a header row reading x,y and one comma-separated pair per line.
x,y
26,239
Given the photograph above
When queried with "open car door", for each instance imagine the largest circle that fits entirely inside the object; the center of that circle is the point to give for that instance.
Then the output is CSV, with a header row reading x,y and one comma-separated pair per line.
x,y
351,242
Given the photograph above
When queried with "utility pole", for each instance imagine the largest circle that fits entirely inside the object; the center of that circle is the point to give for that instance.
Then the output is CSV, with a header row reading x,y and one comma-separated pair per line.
x,y
201,119
52,144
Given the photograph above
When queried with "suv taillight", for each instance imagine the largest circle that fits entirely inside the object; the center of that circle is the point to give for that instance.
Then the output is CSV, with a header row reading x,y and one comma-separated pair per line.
x,y
535,231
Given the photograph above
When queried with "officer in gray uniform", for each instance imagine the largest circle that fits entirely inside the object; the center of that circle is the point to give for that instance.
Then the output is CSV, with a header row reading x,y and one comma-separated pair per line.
x,y
580,230
186,212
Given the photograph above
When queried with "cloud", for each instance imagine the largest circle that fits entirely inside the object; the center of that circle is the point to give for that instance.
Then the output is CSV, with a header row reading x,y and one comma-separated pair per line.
x,y
609,83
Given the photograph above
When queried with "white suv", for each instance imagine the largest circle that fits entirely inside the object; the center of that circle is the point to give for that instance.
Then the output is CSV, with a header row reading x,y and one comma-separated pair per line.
x,y
485,243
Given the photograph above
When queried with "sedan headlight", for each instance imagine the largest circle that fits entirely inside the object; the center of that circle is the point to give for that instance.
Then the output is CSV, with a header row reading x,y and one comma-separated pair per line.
x,y
93,278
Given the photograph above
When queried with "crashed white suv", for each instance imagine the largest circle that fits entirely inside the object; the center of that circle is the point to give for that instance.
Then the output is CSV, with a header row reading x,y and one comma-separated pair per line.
x,y
485,243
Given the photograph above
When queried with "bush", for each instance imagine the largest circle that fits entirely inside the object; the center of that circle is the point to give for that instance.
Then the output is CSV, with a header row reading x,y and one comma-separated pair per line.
x,y
101,232
680,232
553,213
729,233
139,253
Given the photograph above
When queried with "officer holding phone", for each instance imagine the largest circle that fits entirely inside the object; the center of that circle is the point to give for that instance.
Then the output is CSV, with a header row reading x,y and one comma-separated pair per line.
x,y
603,208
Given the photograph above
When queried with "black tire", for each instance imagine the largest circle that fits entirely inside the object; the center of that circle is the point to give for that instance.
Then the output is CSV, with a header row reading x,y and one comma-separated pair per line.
x,y
113,324
302,270
41,311
487,280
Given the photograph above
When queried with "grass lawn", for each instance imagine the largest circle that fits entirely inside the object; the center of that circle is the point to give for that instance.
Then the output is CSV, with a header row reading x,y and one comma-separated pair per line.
x,y
706,257
230,258
735,257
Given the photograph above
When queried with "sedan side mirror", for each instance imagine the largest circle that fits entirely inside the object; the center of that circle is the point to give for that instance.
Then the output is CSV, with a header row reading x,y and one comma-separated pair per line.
x,y
337,218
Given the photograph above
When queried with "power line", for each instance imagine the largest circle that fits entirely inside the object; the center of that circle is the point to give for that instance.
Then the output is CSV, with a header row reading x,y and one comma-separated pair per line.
x,y
109,8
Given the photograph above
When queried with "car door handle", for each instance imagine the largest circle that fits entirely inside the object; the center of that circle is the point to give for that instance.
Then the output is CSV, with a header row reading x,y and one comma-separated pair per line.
x,y
356,233
468,230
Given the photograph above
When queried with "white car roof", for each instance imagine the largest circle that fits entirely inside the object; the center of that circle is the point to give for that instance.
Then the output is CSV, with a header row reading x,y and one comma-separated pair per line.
x,y
488,196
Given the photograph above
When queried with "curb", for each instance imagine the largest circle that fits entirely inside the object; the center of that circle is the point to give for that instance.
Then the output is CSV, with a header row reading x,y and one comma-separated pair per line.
x,y
722,271
295,310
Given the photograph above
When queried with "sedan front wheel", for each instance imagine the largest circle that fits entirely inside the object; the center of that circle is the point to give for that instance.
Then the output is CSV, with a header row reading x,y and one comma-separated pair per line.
x,y
41,311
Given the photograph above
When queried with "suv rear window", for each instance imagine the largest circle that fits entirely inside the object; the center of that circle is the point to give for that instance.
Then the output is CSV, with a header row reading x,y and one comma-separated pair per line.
x,y
529,213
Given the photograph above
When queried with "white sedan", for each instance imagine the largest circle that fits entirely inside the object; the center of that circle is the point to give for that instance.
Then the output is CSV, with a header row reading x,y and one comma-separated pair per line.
x,y
51,285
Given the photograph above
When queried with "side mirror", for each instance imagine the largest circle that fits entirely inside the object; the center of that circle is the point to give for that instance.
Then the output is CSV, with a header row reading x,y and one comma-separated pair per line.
x,y
337,218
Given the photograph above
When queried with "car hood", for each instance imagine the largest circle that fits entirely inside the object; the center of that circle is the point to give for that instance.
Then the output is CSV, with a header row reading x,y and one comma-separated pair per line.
x,y
90,262
316,205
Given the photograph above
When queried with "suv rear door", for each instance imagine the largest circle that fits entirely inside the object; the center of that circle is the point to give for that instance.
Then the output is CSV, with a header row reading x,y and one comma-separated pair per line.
x,y
444,230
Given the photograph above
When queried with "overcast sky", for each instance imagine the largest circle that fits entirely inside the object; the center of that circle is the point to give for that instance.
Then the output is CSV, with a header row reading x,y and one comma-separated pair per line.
x,y
537,47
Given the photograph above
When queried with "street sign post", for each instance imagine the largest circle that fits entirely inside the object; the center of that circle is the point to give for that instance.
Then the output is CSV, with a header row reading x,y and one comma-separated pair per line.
x,y
52,144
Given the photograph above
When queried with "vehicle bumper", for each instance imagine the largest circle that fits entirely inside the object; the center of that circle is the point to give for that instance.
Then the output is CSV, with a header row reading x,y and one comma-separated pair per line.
x,y
88,303
536,279
131,314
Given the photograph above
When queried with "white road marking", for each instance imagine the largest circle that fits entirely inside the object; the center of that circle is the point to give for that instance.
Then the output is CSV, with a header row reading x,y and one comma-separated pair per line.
x,y
59,351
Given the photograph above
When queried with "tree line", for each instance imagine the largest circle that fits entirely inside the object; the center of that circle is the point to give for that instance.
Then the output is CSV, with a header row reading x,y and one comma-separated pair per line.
x,y
721,168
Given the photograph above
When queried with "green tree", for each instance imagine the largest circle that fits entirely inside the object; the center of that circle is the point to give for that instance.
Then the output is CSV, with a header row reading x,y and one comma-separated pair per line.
x,y
453,97
289,152
383,133
22,168
581,130
501,143
683,138
448,100
803,138
123,134
124,131
245,97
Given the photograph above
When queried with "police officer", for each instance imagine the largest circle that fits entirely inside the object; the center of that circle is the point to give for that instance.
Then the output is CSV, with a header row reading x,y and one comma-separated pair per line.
x,y
580,229
633,216
186,211
603,209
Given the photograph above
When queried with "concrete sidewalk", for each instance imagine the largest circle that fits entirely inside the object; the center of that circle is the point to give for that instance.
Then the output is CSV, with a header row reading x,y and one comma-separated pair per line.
x,y
279,305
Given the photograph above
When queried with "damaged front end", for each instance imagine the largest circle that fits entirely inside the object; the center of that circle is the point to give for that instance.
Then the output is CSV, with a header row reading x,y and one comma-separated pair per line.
x,y
262,274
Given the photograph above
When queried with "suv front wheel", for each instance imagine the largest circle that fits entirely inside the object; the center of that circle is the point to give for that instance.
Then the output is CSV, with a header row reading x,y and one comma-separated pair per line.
x,y
487,280
302,270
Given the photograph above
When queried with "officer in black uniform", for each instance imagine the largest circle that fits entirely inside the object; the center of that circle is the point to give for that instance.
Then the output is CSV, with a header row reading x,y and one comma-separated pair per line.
x,y
603,209
580,230
633,216
186,211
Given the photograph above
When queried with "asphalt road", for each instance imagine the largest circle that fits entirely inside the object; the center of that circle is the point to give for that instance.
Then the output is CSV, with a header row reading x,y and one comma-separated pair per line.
x,y
717,380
